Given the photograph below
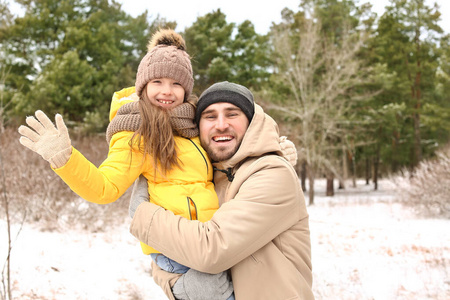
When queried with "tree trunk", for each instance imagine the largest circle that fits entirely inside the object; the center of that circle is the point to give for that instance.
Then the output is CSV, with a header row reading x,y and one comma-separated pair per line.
x,y
395,142
303,175
417,138
311,184
367,171
330,185
344,169
6,271
376,162
417,96
353,170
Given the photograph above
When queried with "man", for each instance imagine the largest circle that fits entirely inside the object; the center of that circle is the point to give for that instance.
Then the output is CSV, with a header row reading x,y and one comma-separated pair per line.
x,y
261,229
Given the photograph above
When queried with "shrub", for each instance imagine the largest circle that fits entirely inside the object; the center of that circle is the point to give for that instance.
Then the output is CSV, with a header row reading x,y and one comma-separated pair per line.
x,y
427,188
35,190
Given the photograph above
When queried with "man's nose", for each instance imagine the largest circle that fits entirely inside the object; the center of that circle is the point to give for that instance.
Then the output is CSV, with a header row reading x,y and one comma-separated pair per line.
x,y
222,123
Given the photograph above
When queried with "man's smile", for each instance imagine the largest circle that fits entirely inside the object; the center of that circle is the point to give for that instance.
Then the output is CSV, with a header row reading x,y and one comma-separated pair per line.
x,y
222,138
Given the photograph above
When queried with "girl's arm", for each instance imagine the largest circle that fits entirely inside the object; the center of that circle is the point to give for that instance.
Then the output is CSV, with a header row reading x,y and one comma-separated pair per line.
x,y
101,185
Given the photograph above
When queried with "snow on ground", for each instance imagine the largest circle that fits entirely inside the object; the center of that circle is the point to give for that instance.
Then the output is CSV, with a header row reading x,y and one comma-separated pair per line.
x,y
80,265
364,246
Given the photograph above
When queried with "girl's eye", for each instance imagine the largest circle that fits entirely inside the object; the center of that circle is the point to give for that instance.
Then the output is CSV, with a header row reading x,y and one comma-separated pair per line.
x,y
177,83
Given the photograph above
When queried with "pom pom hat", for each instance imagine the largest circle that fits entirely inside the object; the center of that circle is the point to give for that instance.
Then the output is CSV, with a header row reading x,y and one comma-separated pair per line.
x,y
166,58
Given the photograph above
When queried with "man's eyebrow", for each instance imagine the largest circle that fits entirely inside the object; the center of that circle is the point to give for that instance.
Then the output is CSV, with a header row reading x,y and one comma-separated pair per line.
x,y
207,111
234,108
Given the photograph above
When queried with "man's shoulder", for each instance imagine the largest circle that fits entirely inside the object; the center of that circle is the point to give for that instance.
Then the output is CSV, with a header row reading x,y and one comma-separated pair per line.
x,y
272,165
270,159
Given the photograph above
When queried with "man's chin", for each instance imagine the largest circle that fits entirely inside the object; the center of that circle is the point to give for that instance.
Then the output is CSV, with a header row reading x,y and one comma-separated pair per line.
x,y
217,156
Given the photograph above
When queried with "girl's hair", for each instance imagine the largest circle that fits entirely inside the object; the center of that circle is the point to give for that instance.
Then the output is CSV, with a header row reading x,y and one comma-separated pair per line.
x,y
156,135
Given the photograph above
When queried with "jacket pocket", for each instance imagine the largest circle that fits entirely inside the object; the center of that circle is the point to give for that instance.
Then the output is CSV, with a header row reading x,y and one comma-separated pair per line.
x,y
192,209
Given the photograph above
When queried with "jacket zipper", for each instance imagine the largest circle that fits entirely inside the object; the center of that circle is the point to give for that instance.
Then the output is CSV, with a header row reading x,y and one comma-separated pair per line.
x,y
191,204
192,208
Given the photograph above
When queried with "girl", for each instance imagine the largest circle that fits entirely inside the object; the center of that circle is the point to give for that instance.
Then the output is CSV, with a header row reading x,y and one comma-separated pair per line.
x,y
152,133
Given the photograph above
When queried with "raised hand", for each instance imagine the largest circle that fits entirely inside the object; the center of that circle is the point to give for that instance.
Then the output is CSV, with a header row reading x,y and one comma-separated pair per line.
x,y
50,142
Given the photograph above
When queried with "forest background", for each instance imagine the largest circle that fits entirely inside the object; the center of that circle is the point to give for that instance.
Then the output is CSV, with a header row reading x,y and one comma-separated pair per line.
x,y
361,95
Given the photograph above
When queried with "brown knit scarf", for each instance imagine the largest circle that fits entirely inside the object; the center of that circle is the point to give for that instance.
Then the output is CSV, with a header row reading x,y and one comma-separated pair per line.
x,y
128,118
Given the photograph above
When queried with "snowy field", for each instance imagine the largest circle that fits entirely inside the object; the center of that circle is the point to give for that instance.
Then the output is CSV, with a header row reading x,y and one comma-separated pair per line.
x,y
365,246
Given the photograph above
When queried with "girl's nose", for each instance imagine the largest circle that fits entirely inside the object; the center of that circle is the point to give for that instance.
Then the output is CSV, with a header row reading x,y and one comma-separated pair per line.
x,y
166,89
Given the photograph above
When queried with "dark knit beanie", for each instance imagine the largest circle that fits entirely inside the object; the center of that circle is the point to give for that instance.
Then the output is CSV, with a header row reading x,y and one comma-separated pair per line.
x,y
228,92
166,57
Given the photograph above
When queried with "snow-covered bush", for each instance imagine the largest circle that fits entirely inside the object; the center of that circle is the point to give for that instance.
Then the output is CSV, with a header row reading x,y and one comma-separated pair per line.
x,y
427,188
35,191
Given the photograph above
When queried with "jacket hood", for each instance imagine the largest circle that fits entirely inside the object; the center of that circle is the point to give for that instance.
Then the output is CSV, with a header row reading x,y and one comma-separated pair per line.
x,y
262,137
120,98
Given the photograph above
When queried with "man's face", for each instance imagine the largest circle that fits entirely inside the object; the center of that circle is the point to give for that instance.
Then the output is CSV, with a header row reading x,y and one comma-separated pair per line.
x,y
222,128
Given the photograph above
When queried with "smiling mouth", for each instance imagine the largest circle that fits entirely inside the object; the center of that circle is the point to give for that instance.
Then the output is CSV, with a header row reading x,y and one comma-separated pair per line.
x,y
166,101
222,138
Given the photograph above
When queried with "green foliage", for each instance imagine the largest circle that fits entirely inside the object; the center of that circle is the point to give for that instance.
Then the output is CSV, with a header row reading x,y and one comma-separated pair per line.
x,y
407,42
206,40
70,56
250,57
64,86
221,52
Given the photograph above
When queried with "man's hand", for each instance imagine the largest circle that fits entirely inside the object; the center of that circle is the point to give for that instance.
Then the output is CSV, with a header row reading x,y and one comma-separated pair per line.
x,y
289,151
50,142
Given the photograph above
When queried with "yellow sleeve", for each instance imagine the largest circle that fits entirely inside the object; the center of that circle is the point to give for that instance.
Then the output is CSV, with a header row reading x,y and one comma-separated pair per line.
x,y
111,179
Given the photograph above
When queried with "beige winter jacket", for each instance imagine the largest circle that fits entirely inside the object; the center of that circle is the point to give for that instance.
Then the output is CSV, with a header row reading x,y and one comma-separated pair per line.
x,y
260,232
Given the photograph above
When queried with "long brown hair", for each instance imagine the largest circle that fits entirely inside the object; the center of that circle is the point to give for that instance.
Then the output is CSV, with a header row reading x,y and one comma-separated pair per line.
x,y
156,134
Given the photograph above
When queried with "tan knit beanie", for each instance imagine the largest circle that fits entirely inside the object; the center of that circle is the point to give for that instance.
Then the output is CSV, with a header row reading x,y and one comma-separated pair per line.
x,y
166,57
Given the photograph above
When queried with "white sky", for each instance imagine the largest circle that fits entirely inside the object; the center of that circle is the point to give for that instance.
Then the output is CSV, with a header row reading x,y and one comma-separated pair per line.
x,y
260,14
185,12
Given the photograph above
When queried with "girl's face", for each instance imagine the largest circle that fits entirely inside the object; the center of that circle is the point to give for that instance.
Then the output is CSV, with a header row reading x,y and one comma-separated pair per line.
x,y
165,92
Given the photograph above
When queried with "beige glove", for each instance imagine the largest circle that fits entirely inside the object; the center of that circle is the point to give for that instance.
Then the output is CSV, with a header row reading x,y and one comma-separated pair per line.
x,y
288,150
50,142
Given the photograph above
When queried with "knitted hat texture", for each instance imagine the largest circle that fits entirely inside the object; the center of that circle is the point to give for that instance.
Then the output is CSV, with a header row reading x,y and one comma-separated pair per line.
x,y
228,92
166,57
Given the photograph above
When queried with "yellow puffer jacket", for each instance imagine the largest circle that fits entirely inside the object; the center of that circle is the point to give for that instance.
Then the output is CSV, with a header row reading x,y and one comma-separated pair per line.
x,y
188,192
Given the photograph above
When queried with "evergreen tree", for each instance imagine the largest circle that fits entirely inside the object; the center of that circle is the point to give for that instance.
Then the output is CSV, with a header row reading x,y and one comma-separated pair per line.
x,y
407,42
221,51
70,56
